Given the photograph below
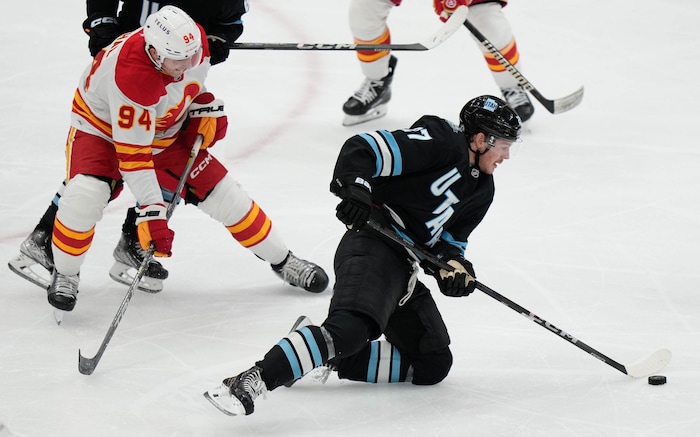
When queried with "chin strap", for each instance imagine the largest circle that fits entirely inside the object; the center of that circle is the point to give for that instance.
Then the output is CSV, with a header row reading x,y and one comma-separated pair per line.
x,y
490,143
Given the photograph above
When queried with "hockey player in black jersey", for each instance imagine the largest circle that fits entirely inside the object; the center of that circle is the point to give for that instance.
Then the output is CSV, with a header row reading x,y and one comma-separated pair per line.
x,y
221,20
432,183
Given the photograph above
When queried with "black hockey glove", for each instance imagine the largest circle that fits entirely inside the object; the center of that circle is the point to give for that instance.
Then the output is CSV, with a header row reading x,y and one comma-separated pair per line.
x,y
356,205
459,282
102,31
218,49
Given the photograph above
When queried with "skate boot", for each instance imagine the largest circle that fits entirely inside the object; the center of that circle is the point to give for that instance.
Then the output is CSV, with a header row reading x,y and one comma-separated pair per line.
x,y
35,260
63,291
371,99
301,273
236,395
519,101
128,256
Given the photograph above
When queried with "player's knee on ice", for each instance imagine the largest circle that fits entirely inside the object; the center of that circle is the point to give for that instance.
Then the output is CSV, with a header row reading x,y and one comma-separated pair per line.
x,y
430,369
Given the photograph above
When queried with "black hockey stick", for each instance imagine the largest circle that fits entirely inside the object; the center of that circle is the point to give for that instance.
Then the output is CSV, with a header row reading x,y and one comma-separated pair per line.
x,y
653,363
556,106
445,31
87,365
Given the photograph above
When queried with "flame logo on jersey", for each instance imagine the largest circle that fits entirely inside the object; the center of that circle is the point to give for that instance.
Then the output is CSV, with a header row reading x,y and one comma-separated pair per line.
x,y
175,114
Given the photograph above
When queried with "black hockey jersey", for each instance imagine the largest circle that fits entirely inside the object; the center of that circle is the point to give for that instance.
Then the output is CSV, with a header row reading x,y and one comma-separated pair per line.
x,y
217,17
421,179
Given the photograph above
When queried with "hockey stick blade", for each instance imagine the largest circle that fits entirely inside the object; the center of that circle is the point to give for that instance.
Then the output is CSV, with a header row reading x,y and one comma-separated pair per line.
x,y
556,106
443,33
559,105
651,364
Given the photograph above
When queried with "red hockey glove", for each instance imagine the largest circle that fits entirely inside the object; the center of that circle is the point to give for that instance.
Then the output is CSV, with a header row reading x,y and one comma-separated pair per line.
x,y
152,227
459,282
445,8
206,117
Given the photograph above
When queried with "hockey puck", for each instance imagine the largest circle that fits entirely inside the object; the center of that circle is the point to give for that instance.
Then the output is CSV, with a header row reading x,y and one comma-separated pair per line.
x,y
657,380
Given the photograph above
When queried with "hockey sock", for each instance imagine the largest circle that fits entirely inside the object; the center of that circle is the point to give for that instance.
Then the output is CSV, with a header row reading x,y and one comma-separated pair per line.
x,y
296,355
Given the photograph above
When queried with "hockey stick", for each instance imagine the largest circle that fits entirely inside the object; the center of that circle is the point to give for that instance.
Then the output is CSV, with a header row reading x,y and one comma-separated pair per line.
x,y
87,365
445,31
556,106
653,363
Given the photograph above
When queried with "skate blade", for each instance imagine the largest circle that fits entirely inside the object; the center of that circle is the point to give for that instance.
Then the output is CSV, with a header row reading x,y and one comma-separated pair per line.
x,y
224,402
58,315
24,267
300,323
374,113
124,274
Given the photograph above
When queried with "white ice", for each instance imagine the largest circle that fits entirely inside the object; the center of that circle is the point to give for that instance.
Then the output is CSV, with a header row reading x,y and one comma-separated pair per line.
x,y
594,228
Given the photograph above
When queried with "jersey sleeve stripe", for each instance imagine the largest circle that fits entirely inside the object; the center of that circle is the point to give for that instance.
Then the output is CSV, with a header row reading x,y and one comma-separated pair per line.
x,y
373,144
395,152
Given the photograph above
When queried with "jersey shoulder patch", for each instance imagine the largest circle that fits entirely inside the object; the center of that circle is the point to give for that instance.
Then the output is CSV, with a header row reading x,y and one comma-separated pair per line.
x,y
136,76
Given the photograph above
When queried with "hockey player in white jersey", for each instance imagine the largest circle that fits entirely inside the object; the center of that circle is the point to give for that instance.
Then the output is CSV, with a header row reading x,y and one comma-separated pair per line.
x,y
135,115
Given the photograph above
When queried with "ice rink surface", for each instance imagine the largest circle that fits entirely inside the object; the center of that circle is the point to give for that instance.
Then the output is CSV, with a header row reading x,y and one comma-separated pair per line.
x,y
595,228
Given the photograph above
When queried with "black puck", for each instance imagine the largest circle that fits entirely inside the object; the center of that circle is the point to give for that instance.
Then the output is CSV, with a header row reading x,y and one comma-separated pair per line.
x,y
657,380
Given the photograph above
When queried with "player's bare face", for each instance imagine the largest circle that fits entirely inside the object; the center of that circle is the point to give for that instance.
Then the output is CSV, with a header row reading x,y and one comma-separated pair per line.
x,y
495,156
175,68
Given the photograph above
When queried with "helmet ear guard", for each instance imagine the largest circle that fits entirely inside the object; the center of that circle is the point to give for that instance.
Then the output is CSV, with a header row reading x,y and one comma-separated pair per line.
x,y
490,115
173,35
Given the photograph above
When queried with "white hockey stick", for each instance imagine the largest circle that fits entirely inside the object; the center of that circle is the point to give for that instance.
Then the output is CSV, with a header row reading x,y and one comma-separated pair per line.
x,y
87,365
651,364
445,31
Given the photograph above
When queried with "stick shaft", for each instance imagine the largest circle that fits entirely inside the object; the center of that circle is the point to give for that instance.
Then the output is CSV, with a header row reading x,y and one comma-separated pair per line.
x,y
87,365
495,295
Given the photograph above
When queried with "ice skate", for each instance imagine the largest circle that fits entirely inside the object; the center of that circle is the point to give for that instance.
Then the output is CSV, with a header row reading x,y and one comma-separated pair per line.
x,y
128,256
301,273
63,291
35,261
370,100
518,100
236,395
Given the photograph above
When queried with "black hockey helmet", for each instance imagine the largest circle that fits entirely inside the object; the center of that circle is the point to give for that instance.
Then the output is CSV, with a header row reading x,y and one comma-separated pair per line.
x,y
492,116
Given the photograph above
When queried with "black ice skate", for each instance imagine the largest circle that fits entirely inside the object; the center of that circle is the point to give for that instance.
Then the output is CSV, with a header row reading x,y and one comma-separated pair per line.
x,y
128,256
301,273
63,291
236,396
371,99
519,102
35,260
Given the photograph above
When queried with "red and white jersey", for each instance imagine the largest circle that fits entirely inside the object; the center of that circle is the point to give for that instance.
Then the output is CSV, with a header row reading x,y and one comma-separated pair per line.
x,y
124,99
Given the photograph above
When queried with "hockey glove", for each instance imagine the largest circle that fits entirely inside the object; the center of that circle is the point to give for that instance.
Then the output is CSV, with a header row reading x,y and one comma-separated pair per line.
x,y
355,207
445,8
459,282
206,118
152,227
102,31
218,49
